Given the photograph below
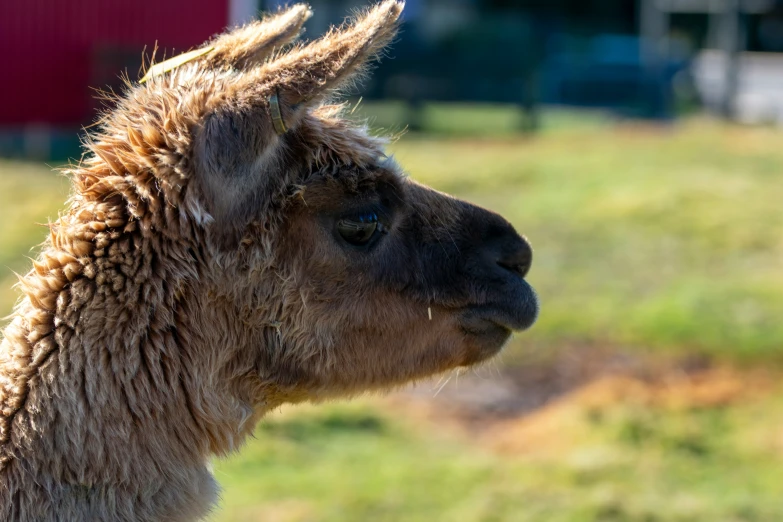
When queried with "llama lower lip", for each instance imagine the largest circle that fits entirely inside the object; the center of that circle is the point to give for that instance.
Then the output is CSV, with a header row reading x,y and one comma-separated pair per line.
x,y
485,338
486,329
515,314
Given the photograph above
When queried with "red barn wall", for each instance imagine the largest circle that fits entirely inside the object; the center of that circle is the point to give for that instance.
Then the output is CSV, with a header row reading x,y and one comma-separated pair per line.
x,y
53,50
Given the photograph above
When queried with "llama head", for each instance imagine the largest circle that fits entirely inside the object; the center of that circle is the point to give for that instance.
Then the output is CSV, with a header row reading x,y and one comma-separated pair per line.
x,y
311,265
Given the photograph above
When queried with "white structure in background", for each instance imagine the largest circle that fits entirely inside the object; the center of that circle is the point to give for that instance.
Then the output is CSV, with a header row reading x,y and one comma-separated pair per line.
x,y
744,86
759,90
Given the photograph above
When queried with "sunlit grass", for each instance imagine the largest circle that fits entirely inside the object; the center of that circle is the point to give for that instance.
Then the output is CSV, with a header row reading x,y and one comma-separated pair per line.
x,y
624,462
31,195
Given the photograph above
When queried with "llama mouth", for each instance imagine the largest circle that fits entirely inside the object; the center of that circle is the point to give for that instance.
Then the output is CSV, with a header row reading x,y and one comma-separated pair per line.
x,y
476,325
489,326
516,312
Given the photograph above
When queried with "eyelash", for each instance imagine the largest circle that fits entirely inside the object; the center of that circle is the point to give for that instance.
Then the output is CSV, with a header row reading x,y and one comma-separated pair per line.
x,y
368,217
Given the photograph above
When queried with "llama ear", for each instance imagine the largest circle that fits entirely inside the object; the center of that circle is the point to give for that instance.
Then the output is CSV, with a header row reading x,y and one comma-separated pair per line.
x,y
235,141
245,46
310,73
253,43
285,87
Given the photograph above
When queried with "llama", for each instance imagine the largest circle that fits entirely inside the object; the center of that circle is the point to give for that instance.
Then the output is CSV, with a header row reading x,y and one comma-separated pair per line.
x,y
233,244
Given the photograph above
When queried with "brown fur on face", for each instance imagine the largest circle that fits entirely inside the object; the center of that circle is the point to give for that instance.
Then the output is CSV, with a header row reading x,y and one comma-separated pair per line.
x,y
199,278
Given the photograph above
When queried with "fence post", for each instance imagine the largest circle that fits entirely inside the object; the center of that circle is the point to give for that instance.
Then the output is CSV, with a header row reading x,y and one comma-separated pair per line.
x,y
731,43
654,29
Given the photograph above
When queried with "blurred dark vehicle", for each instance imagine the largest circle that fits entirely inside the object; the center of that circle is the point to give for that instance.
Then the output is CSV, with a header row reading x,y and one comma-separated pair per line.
x,y
510,59
606,71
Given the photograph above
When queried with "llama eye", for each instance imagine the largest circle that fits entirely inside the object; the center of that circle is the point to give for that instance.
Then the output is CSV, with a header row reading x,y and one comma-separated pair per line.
x,y
358,232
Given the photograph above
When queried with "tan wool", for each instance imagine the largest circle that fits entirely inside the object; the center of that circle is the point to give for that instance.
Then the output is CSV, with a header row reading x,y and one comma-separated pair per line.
x,y
195,281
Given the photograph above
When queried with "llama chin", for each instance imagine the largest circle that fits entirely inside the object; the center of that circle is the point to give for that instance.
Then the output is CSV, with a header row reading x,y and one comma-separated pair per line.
x,y
234,243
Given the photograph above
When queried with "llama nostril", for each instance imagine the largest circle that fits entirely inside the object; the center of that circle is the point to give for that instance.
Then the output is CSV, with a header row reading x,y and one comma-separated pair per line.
x,y
518,268
519,260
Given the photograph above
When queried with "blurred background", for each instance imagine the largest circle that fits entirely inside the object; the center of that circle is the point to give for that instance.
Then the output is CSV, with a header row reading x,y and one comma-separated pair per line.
x,y
637,145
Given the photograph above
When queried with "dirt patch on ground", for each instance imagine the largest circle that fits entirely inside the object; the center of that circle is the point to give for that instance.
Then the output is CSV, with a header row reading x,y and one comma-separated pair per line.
x,y
555,426
535,404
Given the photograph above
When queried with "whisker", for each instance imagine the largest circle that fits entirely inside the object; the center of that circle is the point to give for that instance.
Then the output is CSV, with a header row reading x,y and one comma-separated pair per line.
x,y
443,385
443,376
448,232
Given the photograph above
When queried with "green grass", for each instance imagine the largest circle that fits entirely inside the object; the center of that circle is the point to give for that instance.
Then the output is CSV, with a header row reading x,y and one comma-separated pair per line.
x,y
31,195
355,463
459,119
663,240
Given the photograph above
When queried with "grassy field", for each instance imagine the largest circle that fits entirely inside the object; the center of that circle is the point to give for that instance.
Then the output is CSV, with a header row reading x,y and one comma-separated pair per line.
x,y
624,461
662,241
30,196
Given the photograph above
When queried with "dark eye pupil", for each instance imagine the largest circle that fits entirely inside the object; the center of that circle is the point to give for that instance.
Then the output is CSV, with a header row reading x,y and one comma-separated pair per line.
x,y
358,232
